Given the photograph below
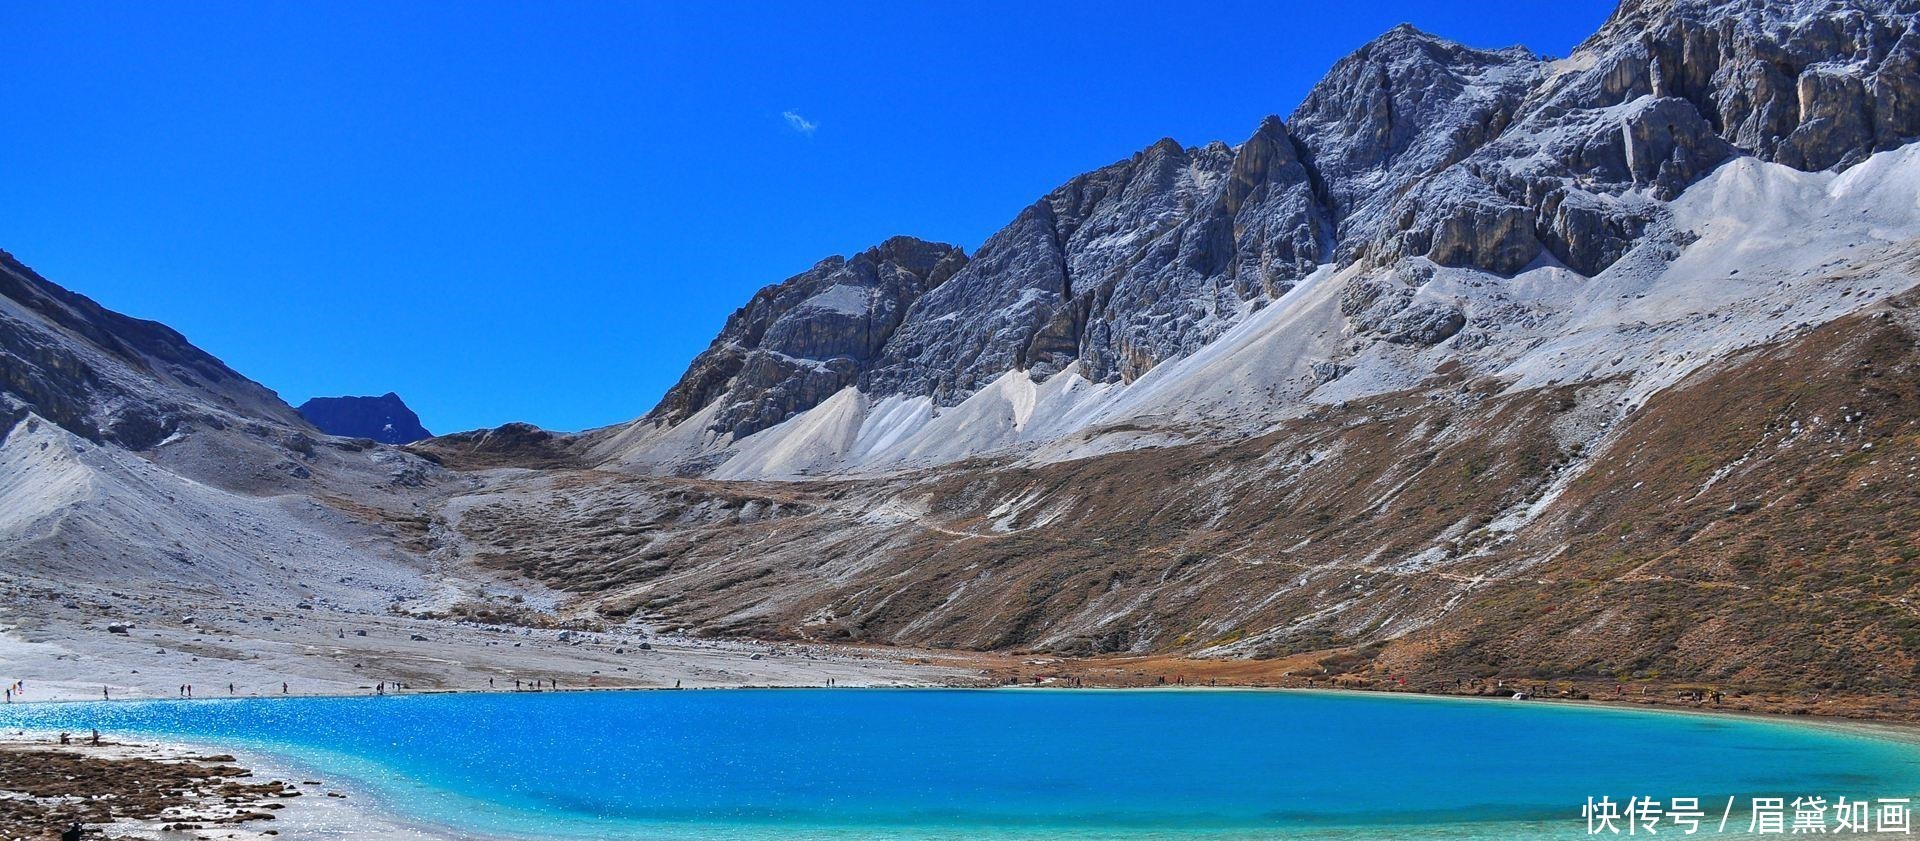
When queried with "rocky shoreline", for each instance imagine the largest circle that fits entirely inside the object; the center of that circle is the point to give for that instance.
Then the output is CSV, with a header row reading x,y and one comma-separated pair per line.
x,y
121,790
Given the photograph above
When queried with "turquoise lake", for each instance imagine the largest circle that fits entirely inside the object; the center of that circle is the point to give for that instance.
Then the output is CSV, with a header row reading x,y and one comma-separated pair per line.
x,y
864,763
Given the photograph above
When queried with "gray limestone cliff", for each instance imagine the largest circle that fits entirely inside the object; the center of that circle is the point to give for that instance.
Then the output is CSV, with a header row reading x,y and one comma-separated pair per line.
x,y
799,341
108,377
1413,148
1662,94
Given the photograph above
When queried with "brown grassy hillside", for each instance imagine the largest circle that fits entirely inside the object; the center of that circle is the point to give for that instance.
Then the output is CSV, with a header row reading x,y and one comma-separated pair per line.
x,y
1753,526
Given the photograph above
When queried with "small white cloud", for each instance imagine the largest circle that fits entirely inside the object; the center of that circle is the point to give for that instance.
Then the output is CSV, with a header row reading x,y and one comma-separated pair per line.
x,y
799,123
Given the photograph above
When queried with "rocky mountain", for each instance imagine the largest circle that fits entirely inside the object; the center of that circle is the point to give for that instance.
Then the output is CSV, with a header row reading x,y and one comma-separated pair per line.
x,y
385,419
1635,445
1662,94
805,338
109,378
1479,364
1415,154
129,457
1478,361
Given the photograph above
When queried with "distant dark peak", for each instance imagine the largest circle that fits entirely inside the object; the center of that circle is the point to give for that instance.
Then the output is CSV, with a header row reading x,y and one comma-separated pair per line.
x,y
385,418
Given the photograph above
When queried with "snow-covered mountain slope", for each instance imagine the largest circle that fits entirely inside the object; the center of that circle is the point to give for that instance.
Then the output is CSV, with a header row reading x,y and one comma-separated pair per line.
x,y
1428,204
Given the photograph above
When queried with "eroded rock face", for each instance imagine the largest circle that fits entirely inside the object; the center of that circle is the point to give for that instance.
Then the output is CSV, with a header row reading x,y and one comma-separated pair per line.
x,y
1383,306
1254,227
1115,270
1413,149
107,377
986,318
799,341
1399,109
1661,95
1151,258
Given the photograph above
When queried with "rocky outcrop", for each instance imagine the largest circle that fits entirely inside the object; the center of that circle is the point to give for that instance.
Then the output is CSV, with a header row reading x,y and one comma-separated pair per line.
x,y
1384,307
110,378
1151,258
1662,94
385,419
1399,109
1812,84
799,341
990,317
520,445
1255,231
1413,152
1119,269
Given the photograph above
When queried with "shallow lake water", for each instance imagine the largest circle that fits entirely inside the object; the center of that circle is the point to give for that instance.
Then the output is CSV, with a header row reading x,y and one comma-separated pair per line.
x,y
865,763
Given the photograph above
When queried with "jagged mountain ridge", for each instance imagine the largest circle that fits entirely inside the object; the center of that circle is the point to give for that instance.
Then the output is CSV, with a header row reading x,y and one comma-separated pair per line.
x,y
109,378
1659,96
1399,461
805,338
1414,153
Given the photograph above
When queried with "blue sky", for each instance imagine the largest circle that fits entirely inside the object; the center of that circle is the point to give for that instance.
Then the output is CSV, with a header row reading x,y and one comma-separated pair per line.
x,y
541,212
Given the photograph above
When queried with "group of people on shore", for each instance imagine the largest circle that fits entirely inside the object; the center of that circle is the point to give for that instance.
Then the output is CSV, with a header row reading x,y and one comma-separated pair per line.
x,y
185,690
535,685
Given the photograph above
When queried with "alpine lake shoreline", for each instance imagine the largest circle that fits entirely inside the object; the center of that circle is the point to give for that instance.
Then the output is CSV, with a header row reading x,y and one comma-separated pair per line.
x,y
206,789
